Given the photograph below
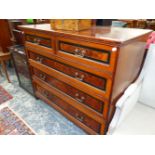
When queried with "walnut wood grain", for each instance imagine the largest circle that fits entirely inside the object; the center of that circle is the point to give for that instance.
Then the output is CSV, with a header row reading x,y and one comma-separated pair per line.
x,y
66,114
80,75
88,111
71,91
112,36
71,110
39,40
111,62
96,93
51,54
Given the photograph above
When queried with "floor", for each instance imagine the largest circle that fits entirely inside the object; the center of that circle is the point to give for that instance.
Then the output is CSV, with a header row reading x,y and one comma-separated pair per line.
x,y
42,118
139,122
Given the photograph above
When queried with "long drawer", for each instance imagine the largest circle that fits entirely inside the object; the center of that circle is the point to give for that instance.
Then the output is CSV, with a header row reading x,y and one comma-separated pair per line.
x,y
81,107
71,71
100,56
71,91
100,83
52,54
92,91
81,117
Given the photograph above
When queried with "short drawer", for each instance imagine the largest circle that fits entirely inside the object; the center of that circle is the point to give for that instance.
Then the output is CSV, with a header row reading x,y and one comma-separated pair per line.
x,y
76,94
100,56
85,52
39,40
93,80
71,110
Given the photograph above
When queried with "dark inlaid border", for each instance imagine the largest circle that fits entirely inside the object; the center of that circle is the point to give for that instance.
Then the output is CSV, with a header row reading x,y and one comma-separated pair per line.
x,y
105,80
100,102
40,38
51,94
81,46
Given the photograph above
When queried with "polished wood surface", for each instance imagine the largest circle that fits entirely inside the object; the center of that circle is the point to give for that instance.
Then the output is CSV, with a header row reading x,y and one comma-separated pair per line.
x,y
5,35
82,74
71,71
97,93
4,57
71,110
109,35
71,91
39,40
79,106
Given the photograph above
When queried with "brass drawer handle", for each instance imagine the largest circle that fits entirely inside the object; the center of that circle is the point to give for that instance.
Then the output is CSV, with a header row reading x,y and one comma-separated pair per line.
x,y
42,76
46,94
39,59
79,53
78,98
83,52
78,117
79,77
36,40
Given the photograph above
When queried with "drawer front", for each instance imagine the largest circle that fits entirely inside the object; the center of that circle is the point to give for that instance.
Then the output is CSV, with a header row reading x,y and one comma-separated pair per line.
x,y
71,91
85,52
69,109
39,40
98,56
93,80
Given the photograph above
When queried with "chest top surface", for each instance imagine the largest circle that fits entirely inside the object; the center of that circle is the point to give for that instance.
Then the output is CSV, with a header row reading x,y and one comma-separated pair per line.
x,y
112,34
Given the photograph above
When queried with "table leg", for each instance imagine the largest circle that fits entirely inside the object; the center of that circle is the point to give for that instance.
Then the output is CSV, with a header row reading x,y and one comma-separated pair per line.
x,y
5,71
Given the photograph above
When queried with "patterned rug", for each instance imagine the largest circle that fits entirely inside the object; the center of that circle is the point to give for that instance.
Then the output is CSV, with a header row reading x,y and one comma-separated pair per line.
x,y
11,124
4,95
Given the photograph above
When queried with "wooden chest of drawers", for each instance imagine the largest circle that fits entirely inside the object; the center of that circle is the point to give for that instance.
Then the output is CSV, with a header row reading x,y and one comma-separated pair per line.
x,y
82,74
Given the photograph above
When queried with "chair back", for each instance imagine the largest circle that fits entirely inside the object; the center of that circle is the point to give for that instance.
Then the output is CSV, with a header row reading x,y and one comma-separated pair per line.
x,y
147,94
143,91
118,24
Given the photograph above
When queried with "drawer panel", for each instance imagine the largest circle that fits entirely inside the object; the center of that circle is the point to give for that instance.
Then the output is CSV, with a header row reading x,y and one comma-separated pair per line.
x,y
39,40
71,91
96,55
85,52
93,80
71,110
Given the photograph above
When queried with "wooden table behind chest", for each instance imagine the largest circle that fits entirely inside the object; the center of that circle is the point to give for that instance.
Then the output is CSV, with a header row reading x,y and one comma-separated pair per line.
x,y
82,74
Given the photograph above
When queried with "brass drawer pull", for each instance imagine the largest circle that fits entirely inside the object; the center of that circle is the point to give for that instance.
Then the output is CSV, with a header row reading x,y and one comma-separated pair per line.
x,y
76,52
79,77
42,76
36,40
78,117
39,59
46,94
78,98
79,53
83,52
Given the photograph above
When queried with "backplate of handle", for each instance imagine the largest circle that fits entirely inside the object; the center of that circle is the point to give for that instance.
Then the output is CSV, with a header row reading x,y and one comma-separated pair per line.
x,y
79,98
42,76
78,117
79,52
36,40
79,77
39,59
